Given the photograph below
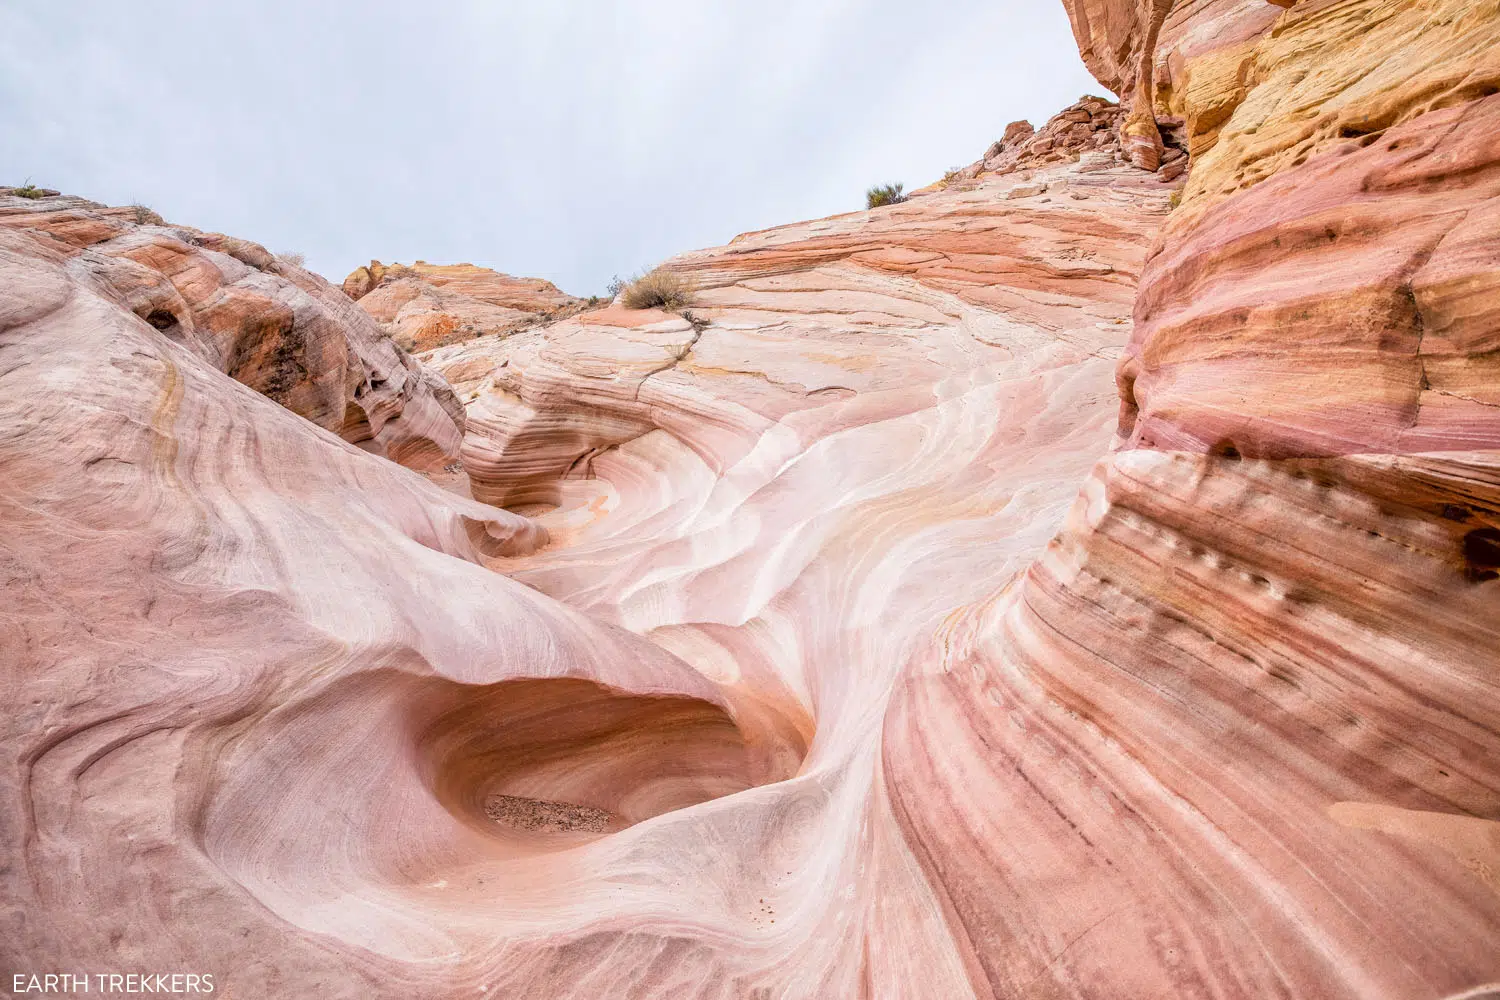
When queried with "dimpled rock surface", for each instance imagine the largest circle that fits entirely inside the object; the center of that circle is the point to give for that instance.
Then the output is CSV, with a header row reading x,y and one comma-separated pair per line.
x,y
428,305
1264,87
259,318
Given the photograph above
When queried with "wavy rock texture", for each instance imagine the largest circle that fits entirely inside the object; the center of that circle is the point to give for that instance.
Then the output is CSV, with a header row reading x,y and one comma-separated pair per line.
x,y
1018,268
258,318
1236,731
363,764
859,427
261,693
429,305
898,620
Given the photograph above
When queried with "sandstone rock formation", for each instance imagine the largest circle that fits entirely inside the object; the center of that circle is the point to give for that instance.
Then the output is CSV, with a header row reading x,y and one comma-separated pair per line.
x,y
1288,565
982,265
1090,124
385,774
1265,90
262,320
1028,590
1118,40
1091,127
1320,72
429,305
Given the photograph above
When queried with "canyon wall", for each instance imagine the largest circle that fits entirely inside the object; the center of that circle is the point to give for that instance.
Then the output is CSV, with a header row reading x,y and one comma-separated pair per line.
x,y
1076,581
303,703
1235,733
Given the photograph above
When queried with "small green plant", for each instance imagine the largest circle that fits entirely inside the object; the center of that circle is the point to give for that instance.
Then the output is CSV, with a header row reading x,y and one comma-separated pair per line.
x,y
28,190
145,217
885,194
659,289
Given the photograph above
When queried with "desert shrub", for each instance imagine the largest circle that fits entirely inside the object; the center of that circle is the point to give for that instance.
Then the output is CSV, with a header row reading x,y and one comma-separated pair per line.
x,y
952,174
885,194
145,217
615,287
659,289
293,258
1176,198
27,190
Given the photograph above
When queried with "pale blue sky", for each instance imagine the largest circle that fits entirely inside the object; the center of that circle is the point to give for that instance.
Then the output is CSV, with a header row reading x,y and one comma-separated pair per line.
x,y
570,139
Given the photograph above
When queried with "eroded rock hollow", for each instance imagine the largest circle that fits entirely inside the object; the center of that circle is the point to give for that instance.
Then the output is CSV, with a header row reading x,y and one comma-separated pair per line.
x,y
1079,580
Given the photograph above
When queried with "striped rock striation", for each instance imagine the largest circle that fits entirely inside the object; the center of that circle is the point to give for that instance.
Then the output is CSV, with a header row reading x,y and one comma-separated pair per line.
x,y
423,306
288,682
1236,731
1028,590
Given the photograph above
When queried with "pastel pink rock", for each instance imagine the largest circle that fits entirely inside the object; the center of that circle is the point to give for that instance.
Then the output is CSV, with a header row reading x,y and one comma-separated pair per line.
x,y
1066,583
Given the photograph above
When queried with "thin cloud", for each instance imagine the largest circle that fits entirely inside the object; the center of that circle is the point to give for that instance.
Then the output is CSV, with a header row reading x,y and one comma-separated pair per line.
x,y
572,140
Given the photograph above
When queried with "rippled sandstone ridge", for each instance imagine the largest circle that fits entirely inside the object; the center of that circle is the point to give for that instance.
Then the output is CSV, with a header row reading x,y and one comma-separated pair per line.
x,y
1029,590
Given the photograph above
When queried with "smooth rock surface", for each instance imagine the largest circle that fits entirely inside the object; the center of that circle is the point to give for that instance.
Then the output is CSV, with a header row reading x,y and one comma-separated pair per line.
x,y
1028,590
364,763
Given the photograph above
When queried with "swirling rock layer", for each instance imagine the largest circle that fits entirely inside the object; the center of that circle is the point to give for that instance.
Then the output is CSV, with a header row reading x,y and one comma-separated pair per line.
x,y
1021,591
363,759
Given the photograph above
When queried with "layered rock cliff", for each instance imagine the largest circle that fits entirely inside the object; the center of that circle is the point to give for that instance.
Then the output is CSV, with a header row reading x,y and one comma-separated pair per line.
x,y
1066,583
1241,718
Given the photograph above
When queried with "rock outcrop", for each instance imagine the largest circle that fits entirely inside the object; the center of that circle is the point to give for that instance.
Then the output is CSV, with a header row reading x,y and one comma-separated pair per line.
x,y
1070,582
262,320
1265,90
1091,127
1091,124
258,673
1235,732
1321,72
424,306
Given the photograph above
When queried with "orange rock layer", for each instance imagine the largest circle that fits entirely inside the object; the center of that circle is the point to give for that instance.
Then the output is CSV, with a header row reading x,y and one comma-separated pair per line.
x,y
428,305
